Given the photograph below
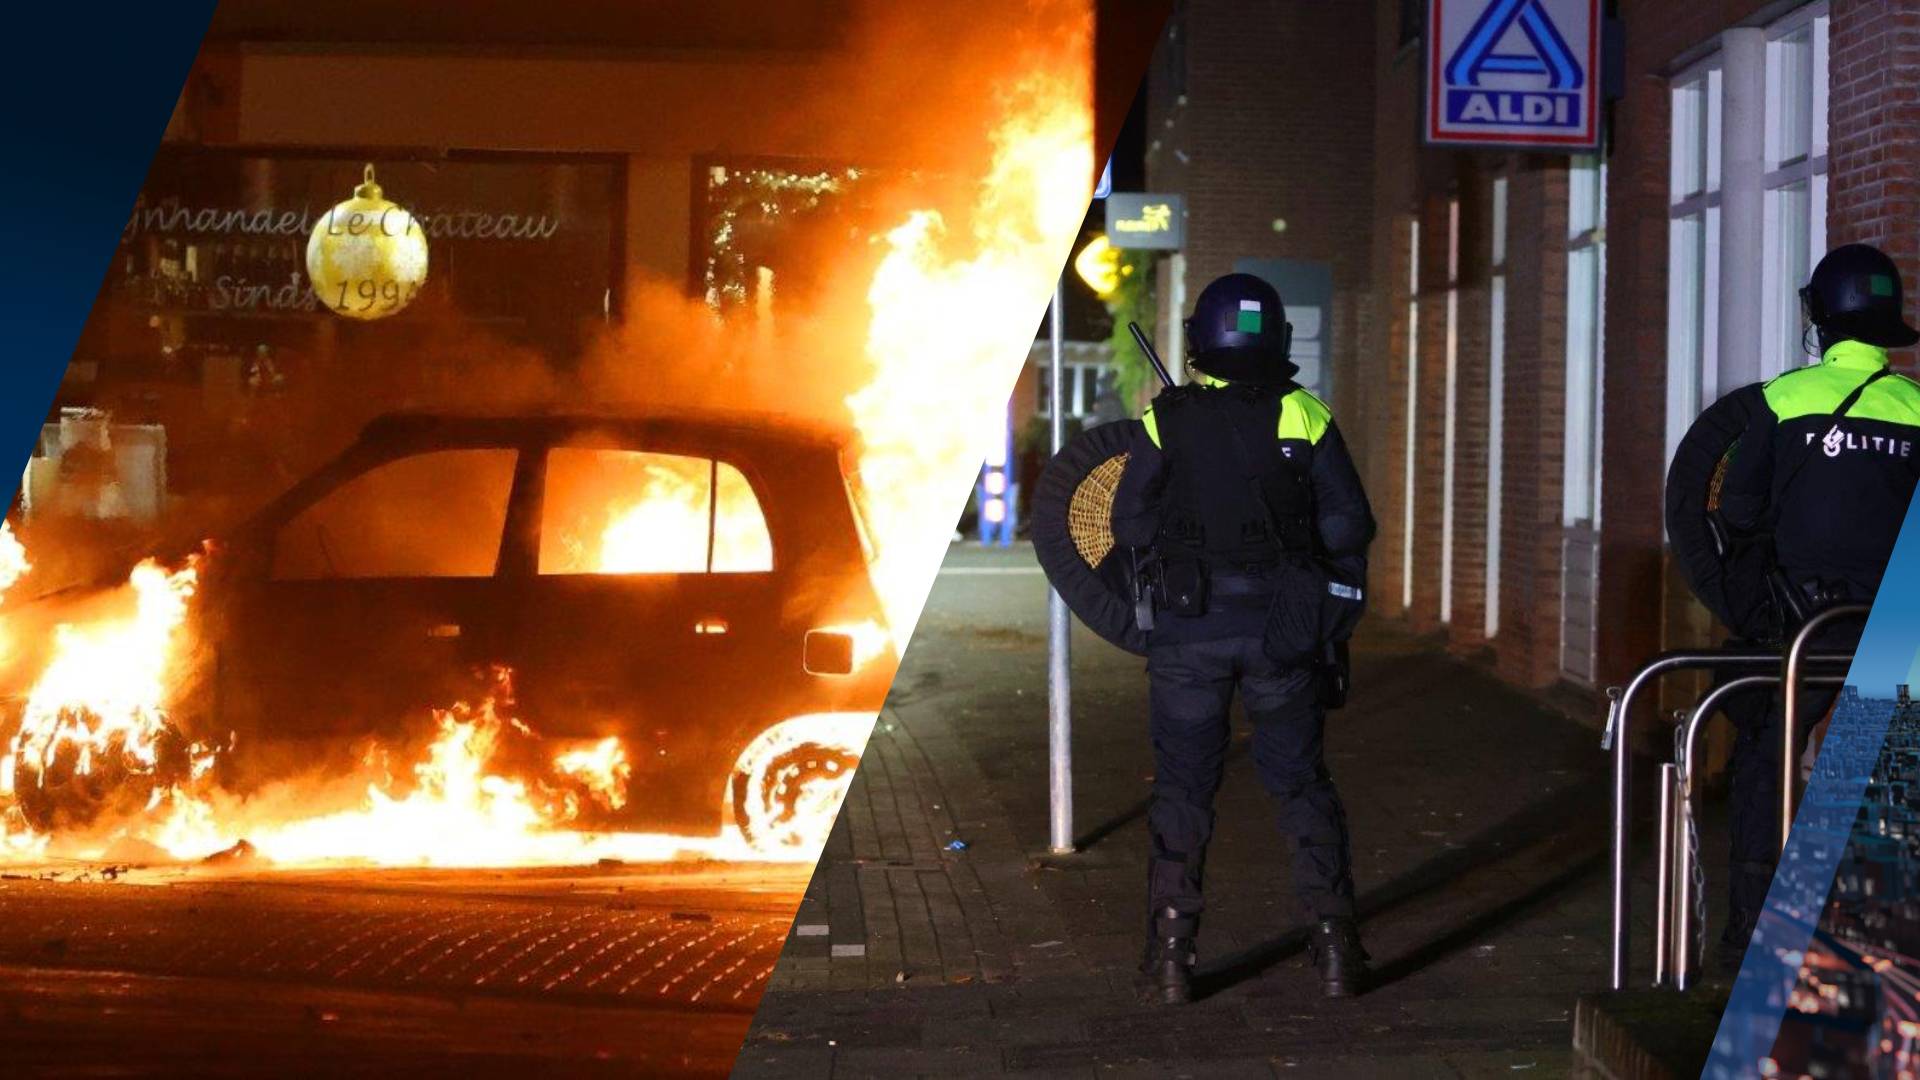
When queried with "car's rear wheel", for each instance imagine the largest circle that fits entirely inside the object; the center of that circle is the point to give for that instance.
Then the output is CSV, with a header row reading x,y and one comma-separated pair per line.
x,y
787,785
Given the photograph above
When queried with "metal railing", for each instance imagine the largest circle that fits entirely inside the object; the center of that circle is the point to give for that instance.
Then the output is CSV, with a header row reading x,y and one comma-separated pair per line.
x,y
1678,900
1675,809
1790,705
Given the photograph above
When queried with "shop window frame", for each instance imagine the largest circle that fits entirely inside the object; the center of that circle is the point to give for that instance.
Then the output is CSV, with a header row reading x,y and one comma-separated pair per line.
x,y
1792,248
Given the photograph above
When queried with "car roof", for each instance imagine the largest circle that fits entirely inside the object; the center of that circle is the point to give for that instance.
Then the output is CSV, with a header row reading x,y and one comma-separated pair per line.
x,y
692,424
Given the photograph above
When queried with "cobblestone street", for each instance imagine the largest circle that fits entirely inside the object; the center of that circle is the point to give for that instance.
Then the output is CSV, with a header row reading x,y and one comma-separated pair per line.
x,y
613,970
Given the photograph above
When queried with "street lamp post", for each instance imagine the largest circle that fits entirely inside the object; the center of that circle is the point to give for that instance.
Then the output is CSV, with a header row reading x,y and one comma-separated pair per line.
x,y
1059,666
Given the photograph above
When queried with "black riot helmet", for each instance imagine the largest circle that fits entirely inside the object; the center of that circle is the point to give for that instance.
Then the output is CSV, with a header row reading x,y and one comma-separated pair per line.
x,y
1855,294
1239,332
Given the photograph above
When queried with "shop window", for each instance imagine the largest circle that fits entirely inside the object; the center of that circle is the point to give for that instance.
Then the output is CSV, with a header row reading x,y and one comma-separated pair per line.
x,y
1792,222
609,511
756,221
1795,181
1585,371
520,241
1085,383
1586,272
433,515
1693,248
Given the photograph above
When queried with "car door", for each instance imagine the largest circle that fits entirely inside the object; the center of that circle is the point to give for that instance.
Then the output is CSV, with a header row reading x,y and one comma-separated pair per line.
x,y
373,599
654,611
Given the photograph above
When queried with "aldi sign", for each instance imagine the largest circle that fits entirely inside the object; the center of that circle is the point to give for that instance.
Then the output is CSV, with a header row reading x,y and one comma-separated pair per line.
x,y
1521,74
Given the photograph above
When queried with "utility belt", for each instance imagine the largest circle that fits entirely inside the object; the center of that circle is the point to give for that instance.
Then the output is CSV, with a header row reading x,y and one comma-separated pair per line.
x,y
1310,612
1244,589
1188,586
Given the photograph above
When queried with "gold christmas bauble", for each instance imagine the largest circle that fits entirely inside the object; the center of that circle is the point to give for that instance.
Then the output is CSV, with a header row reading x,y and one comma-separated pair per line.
x,y
367,257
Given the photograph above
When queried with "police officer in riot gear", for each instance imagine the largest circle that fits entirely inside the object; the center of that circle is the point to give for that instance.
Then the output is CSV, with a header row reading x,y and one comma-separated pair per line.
x,y
1827,469
1227,477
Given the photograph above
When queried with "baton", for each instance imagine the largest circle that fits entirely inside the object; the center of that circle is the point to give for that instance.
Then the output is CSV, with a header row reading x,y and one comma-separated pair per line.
x,y
1140,339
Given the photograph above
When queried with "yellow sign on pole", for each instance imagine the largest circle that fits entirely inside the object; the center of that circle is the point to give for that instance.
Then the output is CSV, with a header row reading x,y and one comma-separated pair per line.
x,y
1157,222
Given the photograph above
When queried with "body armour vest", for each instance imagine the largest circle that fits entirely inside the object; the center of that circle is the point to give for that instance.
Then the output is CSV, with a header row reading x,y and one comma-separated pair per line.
x,y
1223,459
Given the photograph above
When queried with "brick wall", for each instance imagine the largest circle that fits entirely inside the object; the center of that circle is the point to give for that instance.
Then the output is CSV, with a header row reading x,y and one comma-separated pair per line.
x,y
1269,121
1527,650
1430,428
1382,428
1472,412
1410,181
1632,532
1874,129
1378,427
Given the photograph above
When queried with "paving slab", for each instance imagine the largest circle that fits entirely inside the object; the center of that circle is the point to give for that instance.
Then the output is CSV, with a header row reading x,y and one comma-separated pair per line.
x,y
1479,817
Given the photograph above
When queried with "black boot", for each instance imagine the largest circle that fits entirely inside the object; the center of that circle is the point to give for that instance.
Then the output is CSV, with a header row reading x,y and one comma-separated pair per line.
x,y
1170,957
1335,948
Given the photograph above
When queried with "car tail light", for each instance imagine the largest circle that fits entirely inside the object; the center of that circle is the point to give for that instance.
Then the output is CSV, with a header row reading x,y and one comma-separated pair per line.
x,y
828,652
843,650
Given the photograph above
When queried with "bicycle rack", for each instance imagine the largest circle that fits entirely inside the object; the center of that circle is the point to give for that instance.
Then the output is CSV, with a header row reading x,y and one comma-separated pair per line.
x,y
1790,705
1673,958
1618,739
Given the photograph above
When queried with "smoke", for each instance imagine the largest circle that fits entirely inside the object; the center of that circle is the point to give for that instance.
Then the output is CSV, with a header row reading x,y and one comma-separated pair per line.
x,y
926,98
910,98
938,224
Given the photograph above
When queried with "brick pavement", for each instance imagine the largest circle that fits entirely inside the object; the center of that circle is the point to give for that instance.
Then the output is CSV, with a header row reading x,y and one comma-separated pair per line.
x,y
1479,819
196,971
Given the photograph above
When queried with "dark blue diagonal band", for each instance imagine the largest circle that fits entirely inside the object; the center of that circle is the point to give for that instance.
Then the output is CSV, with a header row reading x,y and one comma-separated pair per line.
x,y
93,88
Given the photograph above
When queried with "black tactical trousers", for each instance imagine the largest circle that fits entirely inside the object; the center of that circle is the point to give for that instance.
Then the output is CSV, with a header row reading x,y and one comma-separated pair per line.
x,y
1755,814
1754,820
1192,686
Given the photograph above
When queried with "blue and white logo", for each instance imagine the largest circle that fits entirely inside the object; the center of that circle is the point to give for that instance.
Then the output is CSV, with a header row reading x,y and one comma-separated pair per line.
x,y
1513,72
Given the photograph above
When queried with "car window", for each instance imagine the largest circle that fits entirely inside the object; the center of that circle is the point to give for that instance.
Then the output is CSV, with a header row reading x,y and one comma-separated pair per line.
x,y
635,512
438,514
740,541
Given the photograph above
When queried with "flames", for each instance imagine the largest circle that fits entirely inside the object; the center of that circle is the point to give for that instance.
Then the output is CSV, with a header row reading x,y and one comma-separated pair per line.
x,y
629,512
675,509
13,567
468,798
94,732
708,510
458,804
952,302
13,558
602,769
96,765
948,334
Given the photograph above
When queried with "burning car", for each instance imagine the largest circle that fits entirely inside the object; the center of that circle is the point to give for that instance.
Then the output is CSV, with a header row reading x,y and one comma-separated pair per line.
x,y
684,596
